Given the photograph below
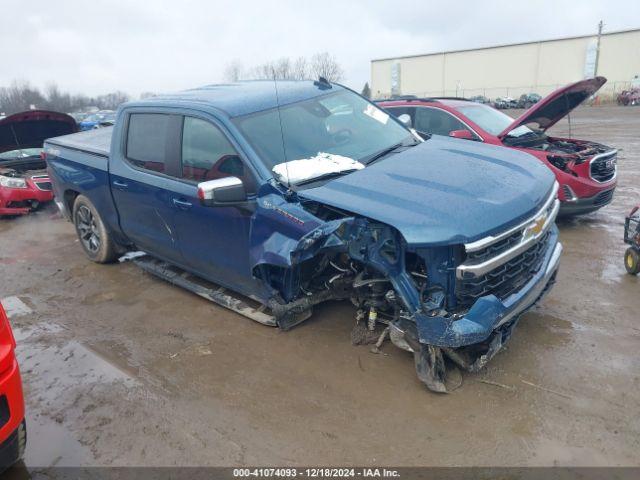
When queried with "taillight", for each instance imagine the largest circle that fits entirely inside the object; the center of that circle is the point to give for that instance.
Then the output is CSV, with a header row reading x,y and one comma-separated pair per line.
x,y
43,155
7,342
634,210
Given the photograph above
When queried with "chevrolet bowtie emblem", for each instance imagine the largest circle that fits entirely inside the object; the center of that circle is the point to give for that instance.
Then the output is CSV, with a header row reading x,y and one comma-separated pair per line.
x,y
534,229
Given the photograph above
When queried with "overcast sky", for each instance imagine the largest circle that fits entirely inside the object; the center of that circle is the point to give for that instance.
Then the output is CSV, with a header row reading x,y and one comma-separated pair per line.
x,y
97,46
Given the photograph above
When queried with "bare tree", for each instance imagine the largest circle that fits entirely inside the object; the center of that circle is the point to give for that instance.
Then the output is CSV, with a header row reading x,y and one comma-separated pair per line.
x,y
233,71
300,69
282,69
20,96
366,91
111,101
325,65
322,64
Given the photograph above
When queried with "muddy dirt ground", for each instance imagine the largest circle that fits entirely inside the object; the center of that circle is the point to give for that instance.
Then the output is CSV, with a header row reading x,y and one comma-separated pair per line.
x,y
120,368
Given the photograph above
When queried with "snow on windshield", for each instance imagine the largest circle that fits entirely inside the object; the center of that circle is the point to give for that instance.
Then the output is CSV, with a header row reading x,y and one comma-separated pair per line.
x,y
296,171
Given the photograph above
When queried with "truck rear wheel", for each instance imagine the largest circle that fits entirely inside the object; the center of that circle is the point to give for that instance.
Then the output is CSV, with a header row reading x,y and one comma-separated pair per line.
x,y
94,237
632,261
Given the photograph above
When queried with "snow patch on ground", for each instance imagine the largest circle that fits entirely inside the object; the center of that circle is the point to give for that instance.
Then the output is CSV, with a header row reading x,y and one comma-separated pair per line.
x,y
14,307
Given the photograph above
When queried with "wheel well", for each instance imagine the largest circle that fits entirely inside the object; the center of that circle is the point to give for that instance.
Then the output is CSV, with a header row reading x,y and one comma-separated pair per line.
x,y
69,199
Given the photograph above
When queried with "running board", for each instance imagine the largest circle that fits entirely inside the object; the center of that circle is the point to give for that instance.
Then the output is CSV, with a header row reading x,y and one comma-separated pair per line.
x,y
203,288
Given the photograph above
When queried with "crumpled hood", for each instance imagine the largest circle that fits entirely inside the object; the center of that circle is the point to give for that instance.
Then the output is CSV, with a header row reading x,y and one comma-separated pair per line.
x,y
443,191
30,129
557,105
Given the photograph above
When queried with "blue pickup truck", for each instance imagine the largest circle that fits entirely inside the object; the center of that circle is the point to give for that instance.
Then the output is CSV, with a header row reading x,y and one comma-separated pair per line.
x,y
296,193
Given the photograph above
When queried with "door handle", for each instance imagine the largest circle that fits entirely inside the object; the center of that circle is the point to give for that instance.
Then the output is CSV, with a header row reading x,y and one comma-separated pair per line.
x,y
119,184
181,204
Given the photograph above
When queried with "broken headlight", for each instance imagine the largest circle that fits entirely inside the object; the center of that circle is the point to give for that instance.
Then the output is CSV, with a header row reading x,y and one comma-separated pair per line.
x,y
558,162
11,182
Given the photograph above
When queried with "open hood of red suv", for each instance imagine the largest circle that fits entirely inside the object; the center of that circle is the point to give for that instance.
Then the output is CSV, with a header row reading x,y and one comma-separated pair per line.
x,y
30,129
548,111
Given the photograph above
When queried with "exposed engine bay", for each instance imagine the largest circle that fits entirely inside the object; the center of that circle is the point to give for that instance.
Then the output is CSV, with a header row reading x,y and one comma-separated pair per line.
x,y
577,151
28,177
23,167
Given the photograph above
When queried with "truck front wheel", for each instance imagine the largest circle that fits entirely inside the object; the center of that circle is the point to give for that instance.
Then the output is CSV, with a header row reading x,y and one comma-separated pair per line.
x,y
94,236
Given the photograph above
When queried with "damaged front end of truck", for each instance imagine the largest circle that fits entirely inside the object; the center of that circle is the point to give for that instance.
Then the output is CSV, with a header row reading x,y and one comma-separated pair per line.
x,y
459,301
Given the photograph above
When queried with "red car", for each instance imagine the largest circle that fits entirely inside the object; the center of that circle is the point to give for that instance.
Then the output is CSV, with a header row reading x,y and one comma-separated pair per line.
x,y
586,171
24,183
13,430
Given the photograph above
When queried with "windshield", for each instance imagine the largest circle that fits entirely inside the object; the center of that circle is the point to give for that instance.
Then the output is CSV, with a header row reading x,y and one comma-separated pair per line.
x,y
491,120
21,153
339,128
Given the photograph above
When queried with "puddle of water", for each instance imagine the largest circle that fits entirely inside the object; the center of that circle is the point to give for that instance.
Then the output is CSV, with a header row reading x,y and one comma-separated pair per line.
x,y
53,373
67,366
614,272
50,444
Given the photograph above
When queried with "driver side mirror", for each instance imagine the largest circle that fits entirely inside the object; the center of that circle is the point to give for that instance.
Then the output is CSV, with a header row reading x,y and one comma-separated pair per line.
x,y
405,119
464,134
222,192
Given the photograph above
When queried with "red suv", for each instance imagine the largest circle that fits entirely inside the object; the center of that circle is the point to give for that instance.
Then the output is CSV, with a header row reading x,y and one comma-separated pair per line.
x,y
24,183
13,432
586,171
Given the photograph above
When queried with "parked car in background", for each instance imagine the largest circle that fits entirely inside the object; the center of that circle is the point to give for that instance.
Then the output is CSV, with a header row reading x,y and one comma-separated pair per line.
x,y
480,99
24,183
526,100
97,120
629,97
311,193
13,428
586,171
504,103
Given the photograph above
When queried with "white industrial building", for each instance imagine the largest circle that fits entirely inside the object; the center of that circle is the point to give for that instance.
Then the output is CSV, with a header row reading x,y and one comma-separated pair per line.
x,y
511,70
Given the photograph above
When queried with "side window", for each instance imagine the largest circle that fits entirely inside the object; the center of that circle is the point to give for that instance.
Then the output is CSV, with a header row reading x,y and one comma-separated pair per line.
x,y
207,154
436,121
146,140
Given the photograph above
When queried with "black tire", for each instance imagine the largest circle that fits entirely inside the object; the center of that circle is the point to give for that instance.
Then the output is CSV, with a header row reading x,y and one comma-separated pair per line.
x,y
97,242
632,261
22,439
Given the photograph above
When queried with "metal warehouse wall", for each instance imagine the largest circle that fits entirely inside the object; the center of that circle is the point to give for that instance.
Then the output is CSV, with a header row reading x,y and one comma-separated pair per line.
x,y
511,70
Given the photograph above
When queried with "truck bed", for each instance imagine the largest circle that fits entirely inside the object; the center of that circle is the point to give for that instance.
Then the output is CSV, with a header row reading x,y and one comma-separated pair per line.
x,y
97,142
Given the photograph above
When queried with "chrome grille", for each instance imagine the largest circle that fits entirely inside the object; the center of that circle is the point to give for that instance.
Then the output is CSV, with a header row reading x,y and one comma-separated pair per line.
x,y
603,167
506,279
501,265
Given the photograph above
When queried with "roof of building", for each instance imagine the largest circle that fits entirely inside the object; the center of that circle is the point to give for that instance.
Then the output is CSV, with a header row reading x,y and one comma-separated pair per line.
x,y
447,52
241,98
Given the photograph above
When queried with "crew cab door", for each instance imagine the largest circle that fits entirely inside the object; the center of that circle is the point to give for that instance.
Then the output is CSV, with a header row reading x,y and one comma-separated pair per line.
x,y
144,183
214,241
